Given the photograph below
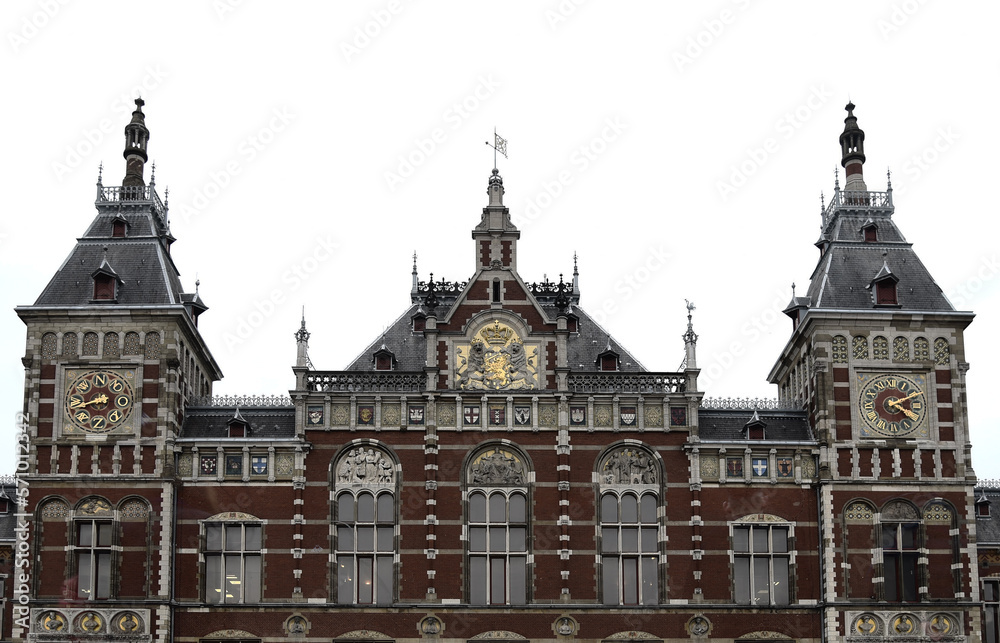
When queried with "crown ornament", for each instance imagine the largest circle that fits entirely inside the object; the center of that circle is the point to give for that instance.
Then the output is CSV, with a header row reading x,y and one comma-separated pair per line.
x,y
496,334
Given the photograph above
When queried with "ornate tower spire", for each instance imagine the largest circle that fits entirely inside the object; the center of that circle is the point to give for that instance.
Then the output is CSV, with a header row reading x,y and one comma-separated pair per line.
x,y
690,341
302,343
413,288
852,147
495,189
136,139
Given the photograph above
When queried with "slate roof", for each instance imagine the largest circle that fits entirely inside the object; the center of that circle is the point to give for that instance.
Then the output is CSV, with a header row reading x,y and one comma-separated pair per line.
x,y
988,528
266,422
410,350
844,272
727,425
141,260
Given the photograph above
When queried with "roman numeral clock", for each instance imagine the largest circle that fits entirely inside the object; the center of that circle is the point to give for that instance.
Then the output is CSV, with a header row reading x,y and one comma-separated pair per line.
x,y
99,401
892,405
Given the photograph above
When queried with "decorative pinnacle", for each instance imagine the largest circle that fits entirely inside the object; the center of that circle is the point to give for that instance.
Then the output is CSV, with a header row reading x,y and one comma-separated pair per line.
x,y
793,290
152,174
822,203
888,179
414,262
100,173
690,337
302,335
197,285
836,178
576,271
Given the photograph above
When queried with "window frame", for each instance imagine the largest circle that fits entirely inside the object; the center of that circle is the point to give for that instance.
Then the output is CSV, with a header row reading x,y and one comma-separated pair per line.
x,y
225,552
626,561
752,568
378,558
905,557
93,553
506,555
991,610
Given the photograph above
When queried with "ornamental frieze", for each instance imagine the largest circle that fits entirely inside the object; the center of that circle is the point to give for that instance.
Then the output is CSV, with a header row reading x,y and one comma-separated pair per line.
x,y
628,465
497,467
365,467
496,359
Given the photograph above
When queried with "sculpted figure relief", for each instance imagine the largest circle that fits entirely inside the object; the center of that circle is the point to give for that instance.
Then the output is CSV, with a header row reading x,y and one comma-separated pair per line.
x,y
365,467
628,466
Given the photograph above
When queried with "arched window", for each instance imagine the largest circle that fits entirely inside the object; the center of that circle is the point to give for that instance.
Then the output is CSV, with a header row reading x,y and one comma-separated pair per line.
x,y
233,562
900,349
900,551
365,526
498,527
93,553
629,527
69,345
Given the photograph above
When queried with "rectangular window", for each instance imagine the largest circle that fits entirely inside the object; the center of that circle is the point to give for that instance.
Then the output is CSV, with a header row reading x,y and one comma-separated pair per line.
x,y
761,564
365,545
630,549
232,562
93,559
899,555
498,548
991,611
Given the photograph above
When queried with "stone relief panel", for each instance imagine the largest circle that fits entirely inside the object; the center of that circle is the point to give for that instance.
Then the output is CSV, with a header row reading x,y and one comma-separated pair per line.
x,y
628,465
495,467
365,465
496,359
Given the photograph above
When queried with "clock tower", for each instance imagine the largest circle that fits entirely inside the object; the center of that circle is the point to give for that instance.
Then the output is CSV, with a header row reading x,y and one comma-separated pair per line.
x,y
877,357
113,355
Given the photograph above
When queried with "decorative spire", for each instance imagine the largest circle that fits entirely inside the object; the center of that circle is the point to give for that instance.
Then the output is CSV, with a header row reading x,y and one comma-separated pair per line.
x,y
197,285
690,340
576,276
413,288
888,179
561,301
302,340
822,203
793,290
431,300
136,140
836,180
495,189
100,174
852,147
152,174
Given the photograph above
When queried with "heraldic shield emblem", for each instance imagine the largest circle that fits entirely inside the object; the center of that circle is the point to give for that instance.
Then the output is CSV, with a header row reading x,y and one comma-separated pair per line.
x,y
522,415
496,359
472,415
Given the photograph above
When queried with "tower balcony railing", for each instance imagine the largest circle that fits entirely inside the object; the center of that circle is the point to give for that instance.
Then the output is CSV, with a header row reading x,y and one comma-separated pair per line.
x,y
137,194
862,200
627,382
366,381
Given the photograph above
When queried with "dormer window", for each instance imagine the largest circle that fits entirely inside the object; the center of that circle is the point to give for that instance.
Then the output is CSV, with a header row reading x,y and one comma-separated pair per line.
x,y
105,288
384,359
419,323
870,233
885,293
573,323
4,505
119,227
754,428
982,507
608,360
238,427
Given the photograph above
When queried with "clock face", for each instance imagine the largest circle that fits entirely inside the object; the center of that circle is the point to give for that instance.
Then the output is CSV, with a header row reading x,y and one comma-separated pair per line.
x,y
99,401
892,405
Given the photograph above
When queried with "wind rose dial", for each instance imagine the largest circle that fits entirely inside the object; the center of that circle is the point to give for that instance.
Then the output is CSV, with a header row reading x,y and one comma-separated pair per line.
x,y
892,405
99,401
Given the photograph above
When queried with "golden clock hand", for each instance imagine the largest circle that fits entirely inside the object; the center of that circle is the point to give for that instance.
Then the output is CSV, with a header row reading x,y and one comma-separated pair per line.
x,y
907,412
910,395
100,399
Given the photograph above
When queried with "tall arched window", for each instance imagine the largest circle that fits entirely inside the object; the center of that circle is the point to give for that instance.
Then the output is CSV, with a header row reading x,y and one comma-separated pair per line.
x,y
900,526
629,527
498,527
365,525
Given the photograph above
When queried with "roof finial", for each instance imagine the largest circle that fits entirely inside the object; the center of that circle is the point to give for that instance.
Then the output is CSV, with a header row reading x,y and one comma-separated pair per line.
x,y
197,285
414,262
836,179
822,203
100,173
793,290
888,179
152,174
690,340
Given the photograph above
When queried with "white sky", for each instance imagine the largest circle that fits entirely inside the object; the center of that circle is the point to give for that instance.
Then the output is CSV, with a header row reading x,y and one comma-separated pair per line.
x,y
694,91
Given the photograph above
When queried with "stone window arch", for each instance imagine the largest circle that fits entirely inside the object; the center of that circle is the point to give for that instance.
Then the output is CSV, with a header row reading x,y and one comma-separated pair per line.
x,y
48,345
629,498
366,477
111,350
921,350
942,352
152,345
70,345
90,344
131,345
901,541
498,523
839,349
860,346
900,349
880,348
